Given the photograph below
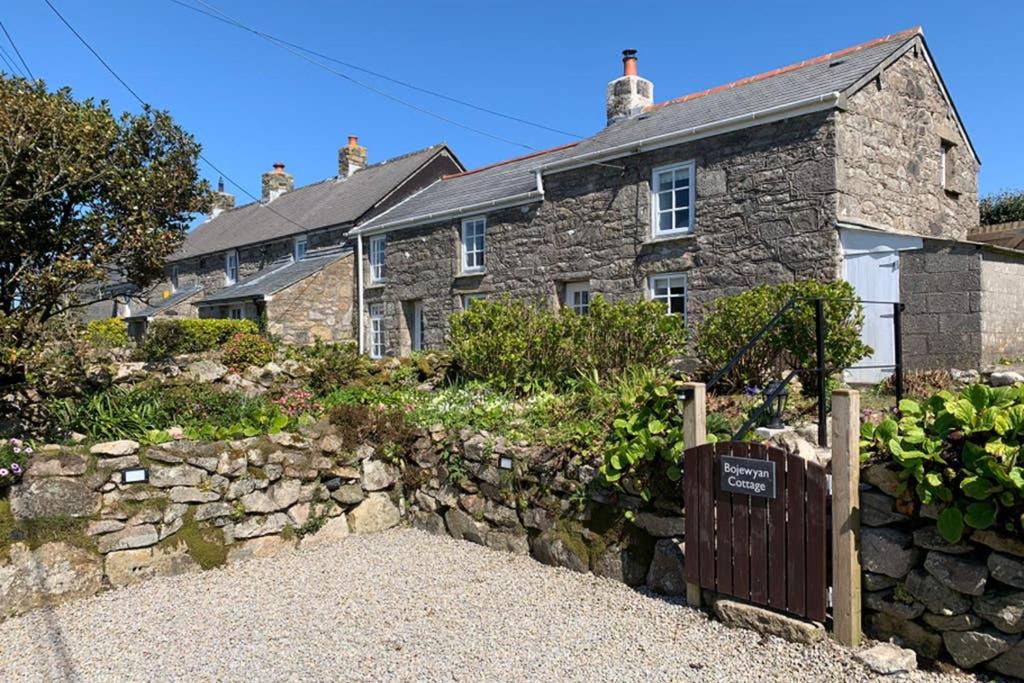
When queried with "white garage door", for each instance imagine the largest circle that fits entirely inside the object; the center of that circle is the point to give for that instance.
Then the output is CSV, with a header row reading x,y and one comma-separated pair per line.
x,y
871,263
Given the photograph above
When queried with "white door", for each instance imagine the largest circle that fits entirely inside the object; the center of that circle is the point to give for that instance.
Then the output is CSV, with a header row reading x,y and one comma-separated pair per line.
x,y
871,263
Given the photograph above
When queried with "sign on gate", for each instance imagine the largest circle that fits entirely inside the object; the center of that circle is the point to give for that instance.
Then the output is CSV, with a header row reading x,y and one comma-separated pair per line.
x,y
749,476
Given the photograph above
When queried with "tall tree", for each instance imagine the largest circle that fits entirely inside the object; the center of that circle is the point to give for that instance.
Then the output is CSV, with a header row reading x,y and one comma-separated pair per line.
x,y
1004,207
84,196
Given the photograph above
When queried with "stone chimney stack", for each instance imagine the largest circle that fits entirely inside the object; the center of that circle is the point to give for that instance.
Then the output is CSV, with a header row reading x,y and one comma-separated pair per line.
x,y
351,157
222,201
629,94
276,183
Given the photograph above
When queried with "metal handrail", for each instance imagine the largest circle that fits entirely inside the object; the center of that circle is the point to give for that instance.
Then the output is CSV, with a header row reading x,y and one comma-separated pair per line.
x,y
717,377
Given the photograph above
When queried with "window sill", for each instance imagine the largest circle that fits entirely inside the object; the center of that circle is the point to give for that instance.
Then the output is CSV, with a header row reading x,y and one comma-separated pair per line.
x,y
470,274
952,193
661,239
375,285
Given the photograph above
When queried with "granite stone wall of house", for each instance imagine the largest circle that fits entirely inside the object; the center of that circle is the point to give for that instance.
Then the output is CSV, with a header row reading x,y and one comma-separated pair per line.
x,y
318,307
889,166
764,213
941,291
961,601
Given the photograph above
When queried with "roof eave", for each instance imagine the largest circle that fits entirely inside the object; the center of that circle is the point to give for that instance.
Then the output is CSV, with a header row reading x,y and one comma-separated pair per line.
x,y
437,216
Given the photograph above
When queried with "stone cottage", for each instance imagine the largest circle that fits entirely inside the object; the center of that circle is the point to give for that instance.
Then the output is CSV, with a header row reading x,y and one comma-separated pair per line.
x,y
850,165
285,259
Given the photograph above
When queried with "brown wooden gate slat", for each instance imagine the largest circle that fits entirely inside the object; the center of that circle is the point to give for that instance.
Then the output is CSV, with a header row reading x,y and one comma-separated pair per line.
x,y
769,552
759,542
777,535
817,499
796,546
723,529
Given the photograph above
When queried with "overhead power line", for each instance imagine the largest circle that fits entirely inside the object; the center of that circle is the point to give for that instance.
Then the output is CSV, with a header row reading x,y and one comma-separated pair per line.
x,y
222,17
147,106
17,51
302,55
13,68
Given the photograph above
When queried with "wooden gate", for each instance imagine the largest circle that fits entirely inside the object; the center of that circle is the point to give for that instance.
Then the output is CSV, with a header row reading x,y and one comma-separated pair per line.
x,y
766,550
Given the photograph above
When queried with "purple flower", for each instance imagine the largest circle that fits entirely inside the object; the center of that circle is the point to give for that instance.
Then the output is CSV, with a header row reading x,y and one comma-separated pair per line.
x,y
751,390
4,472
16,468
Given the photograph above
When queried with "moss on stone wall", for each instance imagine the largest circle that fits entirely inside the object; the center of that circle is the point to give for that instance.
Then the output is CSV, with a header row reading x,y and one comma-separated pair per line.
x,y
36,532
205,543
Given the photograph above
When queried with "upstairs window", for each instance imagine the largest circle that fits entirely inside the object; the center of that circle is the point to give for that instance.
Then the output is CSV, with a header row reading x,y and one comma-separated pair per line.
x,y
577,296
672,200
231,268
473,230
947,166
174,278
377,258
300,247
670,288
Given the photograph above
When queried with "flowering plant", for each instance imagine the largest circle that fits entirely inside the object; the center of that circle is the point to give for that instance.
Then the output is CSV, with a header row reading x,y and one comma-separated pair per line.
x,y
297,402
14,455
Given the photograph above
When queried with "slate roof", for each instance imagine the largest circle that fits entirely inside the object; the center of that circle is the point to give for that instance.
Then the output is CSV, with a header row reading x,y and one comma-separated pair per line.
x,y
162,304
326,203
832,73
277,276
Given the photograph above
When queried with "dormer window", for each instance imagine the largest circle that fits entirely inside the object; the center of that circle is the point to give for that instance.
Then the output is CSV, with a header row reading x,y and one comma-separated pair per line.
x,y
299,248
672,198
231,268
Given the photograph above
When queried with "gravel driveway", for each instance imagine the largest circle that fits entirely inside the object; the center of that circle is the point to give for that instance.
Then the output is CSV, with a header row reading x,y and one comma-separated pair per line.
x,y
398,606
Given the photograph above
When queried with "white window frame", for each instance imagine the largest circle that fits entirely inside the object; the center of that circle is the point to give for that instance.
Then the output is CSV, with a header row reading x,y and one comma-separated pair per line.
x,y
418,325
231,267
467,255
174,278
467,298
581,304
652,285
656,230
299,247
377,340
378,253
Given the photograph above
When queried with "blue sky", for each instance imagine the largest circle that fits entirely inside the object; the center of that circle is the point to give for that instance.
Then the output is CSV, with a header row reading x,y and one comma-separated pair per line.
x,y
251,103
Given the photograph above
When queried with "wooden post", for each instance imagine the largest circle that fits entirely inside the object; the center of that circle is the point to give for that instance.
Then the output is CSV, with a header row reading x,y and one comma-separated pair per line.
x,y
695,433
846,605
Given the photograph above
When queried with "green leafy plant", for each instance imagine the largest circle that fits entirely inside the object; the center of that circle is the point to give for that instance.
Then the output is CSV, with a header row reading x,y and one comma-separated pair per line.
x,y
167,338
733,320
645,445
108,333
243,349
960,452
515,345
332,366
1003,207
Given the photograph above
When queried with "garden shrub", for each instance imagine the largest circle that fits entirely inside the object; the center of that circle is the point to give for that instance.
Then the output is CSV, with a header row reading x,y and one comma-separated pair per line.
x,y
522,346
384,425
244,349
960,452
334,365
167,338
733,320
109,333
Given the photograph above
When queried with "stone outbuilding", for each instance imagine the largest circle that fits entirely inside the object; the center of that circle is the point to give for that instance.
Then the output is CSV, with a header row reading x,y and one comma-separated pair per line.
x,y
852,165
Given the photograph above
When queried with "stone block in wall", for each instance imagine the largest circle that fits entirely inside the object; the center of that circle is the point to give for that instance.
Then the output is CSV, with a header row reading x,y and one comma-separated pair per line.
x,y
129,537
431,522
878,509
54,497
929,538
970,648
462,526
886,602
1010,663
253,548
888,551
936,597
374,514
1004,610
962,574
908,633
997,541
560,548
51,574
125,567
1006,569
667,573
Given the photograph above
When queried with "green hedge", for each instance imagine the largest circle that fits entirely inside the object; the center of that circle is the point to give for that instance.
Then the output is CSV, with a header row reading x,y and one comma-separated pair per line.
x,y
107,333
166,338
733,320
959,452
517,345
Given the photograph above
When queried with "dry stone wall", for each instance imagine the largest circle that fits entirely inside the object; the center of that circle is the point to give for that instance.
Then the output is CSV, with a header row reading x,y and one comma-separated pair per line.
x,y
963,601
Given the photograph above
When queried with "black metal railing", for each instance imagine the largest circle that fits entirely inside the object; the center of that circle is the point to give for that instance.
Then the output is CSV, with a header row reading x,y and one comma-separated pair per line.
x,y
821,370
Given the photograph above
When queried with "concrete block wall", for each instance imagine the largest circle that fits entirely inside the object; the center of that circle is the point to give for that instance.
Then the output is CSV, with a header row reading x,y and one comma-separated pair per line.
x,y
1002,307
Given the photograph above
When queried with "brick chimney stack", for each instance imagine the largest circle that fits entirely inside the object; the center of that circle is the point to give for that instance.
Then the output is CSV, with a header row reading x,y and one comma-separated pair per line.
x,y
629,94
276,183
222,201
351,157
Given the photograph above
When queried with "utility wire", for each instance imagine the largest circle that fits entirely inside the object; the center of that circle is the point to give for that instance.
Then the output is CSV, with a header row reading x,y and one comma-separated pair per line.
x,y
228,20
146,106
361,84
17,51
13,68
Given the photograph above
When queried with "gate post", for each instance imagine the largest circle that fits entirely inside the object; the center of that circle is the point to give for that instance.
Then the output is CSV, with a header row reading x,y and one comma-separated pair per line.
x,y
694,434
846,573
